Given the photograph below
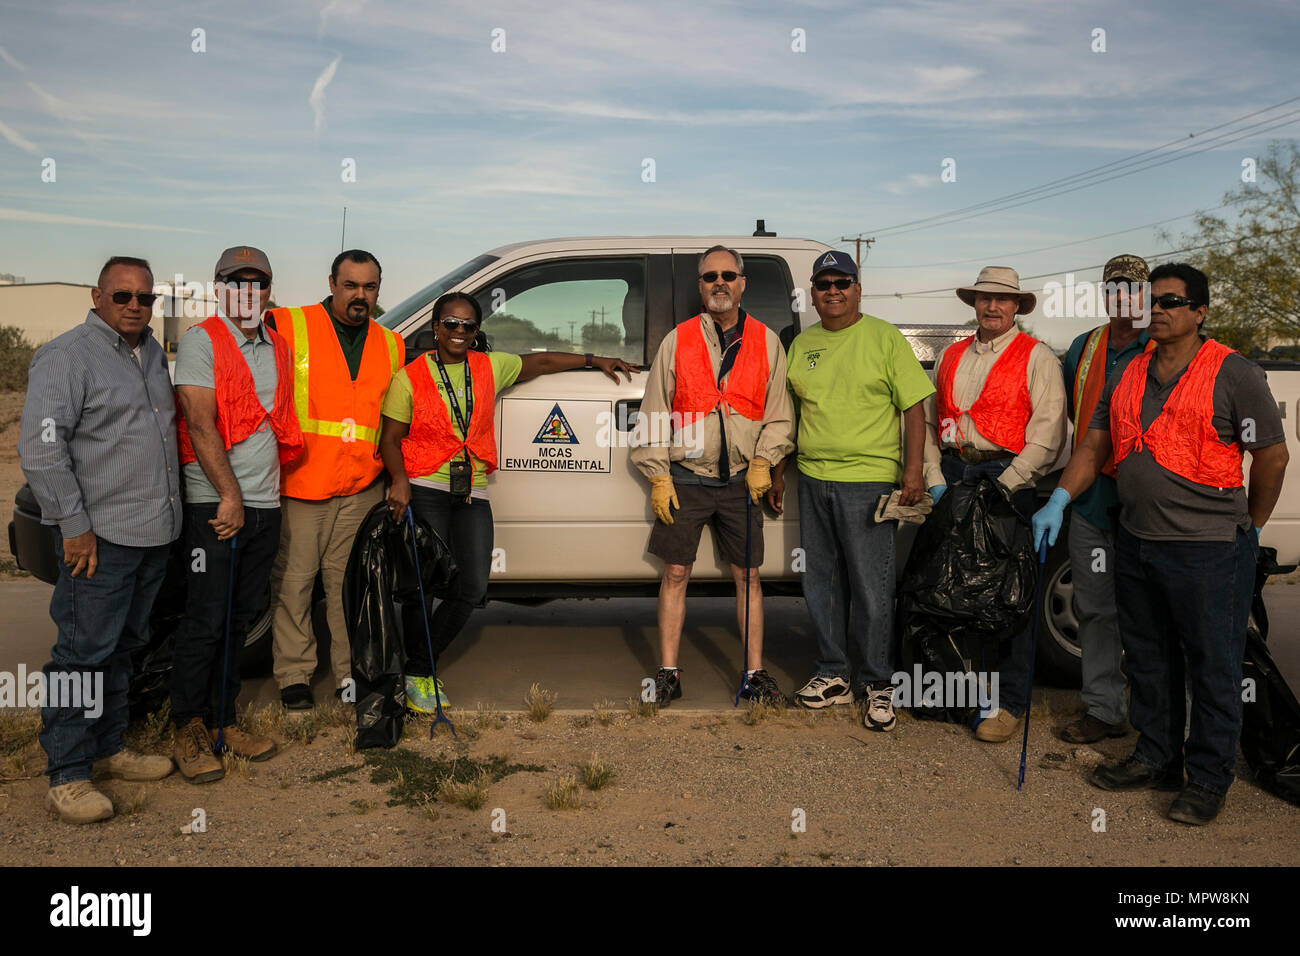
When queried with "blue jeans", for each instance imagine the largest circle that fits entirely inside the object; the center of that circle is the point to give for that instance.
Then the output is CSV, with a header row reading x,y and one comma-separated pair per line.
x,y
466,527
1186,600
101,621
848,580
197,659
1015,660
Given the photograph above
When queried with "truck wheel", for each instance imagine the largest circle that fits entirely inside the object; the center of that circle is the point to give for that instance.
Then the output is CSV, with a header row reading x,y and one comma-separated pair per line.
x,y
1059,655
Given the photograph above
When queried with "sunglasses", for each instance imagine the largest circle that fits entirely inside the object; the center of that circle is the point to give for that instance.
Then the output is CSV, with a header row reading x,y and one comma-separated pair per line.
x,y
451,325
1170,301
146,299
823,285
727,276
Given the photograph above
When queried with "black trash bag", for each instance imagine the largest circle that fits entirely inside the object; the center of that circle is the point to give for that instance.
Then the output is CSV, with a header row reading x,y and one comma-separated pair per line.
x,y
380,571
1270,724
973,563
931,649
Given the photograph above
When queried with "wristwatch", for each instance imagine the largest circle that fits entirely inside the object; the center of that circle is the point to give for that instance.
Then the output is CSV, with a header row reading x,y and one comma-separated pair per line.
x,y
591,360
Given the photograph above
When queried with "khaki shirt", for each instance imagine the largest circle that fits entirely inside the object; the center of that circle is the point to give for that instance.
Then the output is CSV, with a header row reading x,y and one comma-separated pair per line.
x,y
1045,433
697,447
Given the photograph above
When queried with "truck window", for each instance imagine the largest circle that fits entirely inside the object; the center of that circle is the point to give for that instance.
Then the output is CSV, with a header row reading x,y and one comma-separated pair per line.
x,y
569,305
768,291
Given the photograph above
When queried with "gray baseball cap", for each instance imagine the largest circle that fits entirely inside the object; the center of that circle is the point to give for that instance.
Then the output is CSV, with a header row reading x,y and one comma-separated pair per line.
x,y
237,258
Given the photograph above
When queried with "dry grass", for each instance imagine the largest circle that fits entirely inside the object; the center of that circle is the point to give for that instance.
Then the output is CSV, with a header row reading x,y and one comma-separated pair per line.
x,y
362,807
755,712
135,804
539,702
154,733
638,708
603,710
596,774
19,732
562,794
236,764
471,794
486,718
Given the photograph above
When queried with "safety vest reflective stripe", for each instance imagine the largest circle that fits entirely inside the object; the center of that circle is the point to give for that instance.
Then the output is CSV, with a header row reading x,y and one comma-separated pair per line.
x,y
301,385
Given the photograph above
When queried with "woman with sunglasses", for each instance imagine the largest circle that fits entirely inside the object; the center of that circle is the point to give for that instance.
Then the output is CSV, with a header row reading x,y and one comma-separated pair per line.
x,y
439,444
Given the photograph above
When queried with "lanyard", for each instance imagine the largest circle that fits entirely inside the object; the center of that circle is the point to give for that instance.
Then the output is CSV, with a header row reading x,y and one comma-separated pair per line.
x,y
462,421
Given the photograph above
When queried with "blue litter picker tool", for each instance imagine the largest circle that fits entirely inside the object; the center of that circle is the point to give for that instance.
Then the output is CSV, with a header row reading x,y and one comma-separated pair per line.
x,y
439,717
1033,649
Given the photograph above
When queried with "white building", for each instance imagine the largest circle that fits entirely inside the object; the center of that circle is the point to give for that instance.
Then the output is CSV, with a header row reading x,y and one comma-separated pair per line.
x,y
43,310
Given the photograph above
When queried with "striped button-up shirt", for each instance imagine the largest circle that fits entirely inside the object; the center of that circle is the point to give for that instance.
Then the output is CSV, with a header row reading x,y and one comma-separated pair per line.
x,y
98,437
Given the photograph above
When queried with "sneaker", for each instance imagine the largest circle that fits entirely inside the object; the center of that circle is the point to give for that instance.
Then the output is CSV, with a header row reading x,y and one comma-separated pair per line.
x,y
249,746
879,712
762,688
668,686
423,694
193,753
78,802
823,692
297,697
125,765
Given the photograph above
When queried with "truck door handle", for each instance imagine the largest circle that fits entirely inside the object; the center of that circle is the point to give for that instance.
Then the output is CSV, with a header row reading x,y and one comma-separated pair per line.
x,y
626,413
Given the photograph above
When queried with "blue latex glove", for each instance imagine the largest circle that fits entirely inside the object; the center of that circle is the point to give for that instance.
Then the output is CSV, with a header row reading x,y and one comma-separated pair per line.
x,y
1257,533
936,492
1050,516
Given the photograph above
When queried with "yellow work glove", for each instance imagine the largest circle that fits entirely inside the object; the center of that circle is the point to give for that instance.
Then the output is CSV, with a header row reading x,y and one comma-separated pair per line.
x,y
662,495
758,479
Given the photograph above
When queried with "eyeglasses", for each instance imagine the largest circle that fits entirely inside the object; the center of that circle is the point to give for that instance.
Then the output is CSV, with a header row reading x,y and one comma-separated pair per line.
x,y
1170,301
823,285
727,276
146,299
451,325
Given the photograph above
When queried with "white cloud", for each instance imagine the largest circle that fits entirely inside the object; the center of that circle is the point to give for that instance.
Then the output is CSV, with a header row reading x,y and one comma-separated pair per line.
x,y
17,138
317,98
347,9
59,219
55,106
5,55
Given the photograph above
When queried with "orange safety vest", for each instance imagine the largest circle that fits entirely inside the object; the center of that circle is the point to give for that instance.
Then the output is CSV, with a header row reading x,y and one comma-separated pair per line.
x,y
1183,438
239,413
432,441
1089,380
339,416
1003,407
745,389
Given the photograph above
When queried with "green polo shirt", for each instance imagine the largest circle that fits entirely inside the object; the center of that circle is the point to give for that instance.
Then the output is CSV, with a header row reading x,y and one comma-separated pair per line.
x,y
849,388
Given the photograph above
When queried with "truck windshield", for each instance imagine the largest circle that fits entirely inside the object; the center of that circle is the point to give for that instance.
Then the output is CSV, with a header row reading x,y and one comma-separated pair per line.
x,y
412,304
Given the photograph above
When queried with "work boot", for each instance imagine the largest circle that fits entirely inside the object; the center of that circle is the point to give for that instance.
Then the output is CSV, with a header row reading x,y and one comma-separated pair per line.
x,y
1089,729
125,765
78,802
1133,774
193,754
1196,805
998,728
249,746
297,697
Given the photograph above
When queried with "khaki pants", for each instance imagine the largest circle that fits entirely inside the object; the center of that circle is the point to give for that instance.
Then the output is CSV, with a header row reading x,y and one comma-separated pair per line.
x,y
314,536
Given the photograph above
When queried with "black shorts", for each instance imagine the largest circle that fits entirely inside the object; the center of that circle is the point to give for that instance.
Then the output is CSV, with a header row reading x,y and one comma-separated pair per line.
x,y
724,509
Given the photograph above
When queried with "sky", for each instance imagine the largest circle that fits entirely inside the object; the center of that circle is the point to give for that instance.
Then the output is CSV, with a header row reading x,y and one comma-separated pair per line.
x,y
178,129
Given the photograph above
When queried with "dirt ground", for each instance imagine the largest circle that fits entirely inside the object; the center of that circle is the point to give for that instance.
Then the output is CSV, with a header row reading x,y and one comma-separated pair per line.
x,y
725,788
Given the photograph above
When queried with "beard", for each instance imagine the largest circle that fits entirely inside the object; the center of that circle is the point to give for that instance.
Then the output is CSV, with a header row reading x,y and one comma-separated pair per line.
x,y
720,302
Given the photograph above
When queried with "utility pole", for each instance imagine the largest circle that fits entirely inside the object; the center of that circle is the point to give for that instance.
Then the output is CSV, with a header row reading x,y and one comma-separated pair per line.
x,y
858,242
344,236
572,340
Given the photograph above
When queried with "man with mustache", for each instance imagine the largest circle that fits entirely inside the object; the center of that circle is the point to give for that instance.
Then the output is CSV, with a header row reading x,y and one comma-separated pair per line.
x,y
342,363
720,377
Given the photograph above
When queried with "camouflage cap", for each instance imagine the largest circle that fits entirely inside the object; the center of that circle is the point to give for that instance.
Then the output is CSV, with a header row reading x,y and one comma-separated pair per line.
x,y
1130,267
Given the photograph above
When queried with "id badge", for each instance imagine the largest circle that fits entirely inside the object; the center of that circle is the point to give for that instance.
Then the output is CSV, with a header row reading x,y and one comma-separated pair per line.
x,y
461,477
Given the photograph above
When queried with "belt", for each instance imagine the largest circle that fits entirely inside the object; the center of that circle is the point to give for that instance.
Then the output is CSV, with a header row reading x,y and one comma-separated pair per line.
x,y
972,456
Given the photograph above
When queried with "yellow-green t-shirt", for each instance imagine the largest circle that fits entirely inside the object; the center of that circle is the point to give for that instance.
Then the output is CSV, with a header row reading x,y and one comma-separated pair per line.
x,y
849,387
399,404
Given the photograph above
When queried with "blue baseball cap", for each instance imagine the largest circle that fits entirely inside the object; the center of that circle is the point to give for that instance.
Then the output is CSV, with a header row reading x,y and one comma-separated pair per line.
x,y
833,261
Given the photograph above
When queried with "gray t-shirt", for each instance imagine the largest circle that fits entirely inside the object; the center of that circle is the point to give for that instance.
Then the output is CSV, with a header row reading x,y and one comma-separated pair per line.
x,y
1157,504
255,460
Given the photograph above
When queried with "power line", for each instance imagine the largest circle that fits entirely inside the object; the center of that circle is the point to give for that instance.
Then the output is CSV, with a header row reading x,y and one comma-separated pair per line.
x,y
1094,171
1043,275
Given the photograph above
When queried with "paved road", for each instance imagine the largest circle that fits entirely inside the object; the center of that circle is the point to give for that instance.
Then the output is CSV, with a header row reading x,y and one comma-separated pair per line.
x,y
586,650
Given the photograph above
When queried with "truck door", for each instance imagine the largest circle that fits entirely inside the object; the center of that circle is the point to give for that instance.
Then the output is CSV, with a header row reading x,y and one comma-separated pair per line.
x,y
567,503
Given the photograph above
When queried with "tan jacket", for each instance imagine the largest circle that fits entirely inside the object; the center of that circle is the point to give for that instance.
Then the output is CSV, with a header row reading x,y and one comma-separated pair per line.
x,y
1045,433
697,447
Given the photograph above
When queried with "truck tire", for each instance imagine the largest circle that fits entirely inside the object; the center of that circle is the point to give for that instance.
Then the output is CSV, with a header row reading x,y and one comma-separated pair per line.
x,y
1060,661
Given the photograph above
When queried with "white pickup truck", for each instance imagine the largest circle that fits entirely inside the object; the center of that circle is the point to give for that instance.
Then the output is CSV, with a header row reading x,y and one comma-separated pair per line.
x,y
572,513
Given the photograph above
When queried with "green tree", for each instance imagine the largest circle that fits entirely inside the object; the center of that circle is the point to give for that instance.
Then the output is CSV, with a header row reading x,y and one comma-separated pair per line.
x,y
1252,261
15,355
600,338
510,333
